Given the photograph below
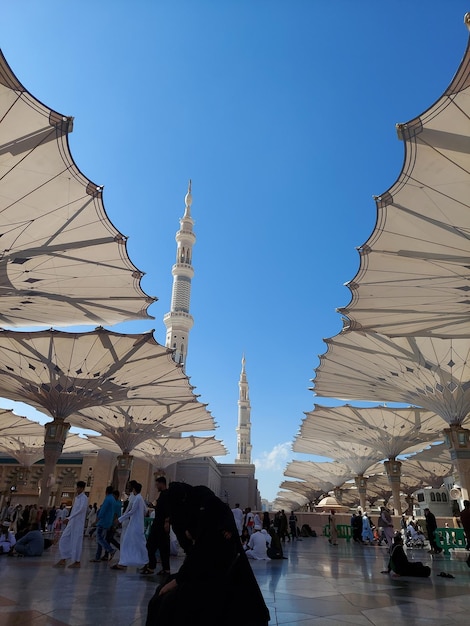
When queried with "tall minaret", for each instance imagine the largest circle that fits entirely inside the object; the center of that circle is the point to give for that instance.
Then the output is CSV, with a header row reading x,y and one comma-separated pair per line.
x,y
244,424
178,321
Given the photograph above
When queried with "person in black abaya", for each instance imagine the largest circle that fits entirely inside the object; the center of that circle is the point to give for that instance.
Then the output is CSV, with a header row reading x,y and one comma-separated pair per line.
x,y
399,564
215,581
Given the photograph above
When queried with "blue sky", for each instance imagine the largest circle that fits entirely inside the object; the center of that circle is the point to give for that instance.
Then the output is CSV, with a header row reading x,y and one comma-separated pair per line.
x,y
283,115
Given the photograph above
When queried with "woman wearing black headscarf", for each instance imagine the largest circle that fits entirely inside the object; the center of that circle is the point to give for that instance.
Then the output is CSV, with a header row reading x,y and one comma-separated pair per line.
x,y
215,582
399,564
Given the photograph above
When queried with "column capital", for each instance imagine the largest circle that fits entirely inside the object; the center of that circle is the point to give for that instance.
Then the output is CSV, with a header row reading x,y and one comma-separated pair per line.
x,y
393,469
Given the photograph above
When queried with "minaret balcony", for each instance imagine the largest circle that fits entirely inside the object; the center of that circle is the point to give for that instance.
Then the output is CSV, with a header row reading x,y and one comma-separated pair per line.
x,y
182,269
188,235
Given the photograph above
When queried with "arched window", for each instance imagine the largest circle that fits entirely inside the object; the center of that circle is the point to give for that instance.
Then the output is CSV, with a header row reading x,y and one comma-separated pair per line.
x,y
444,497
438,497
433,497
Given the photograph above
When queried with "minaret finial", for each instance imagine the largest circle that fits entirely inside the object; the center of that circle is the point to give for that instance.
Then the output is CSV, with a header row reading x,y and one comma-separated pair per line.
x,y
188,199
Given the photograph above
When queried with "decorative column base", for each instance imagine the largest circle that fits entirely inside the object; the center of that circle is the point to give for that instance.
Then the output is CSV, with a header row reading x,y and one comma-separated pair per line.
x,y
458,441
393,469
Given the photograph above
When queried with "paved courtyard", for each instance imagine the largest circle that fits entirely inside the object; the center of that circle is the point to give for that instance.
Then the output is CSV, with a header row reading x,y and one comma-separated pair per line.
x,y
317,585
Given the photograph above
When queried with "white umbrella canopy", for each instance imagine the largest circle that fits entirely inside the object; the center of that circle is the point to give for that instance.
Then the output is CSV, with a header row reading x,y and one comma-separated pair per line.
x,y
61,373
428,372
379,486
430,466
327,475
390,431
164,451
146,422
63,262
349,496
414,269
417,475
23,439
288,501
10,422
29,449
438,453
359,458
304,488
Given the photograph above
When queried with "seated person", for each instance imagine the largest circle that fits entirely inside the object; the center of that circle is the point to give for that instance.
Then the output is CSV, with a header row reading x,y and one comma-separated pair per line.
x,y
274,550
256,547
7,538
399,565
32,544
415,534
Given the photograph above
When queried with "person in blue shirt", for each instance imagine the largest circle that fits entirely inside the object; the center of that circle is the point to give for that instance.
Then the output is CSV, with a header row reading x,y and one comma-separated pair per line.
x,y
104,522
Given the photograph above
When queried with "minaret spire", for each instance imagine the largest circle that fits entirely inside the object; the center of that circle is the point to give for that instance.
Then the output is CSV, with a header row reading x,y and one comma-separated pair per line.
x,y
179,321
244,425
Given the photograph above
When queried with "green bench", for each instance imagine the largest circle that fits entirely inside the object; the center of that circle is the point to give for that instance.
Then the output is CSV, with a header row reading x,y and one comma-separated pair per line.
x,y
450,538
344,531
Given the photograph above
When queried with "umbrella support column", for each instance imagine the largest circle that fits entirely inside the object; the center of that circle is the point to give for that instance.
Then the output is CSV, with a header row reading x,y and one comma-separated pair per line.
x,y
54,439
338,495
361,484
409,501
458,440
123,470
393,469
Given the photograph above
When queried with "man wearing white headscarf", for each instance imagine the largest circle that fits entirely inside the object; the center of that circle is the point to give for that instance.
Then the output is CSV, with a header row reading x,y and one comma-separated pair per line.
x,y
257,548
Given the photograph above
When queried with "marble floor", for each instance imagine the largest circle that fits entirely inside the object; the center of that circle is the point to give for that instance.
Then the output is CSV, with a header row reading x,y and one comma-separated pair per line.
x,y
317,585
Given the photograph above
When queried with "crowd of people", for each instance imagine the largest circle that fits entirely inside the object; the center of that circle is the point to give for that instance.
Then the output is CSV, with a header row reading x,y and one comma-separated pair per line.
x,y
205,530
217,542
22,530
262,537
364,531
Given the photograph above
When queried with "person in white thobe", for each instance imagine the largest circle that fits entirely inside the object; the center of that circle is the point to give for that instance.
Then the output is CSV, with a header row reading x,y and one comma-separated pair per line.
x,y
71,540
257,548
238,517
125,522
133,545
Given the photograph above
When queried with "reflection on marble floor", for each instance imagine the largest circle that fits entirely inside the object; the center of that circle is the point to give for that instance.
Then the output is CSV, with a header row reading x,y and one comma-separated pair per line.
x,y
317,585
